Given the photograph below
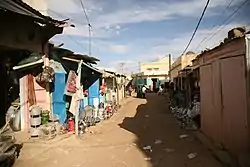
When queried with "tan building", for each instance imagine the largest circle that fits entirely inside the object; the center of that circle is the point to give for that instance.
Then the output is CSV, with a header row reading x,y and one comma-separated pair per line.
x,y
159,68
180,63
155,73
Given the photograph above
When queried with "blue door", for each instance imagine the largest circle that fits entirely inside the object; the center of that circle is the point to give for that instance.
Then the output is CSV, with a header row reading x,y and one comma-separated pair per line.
x,y
94,91
58,101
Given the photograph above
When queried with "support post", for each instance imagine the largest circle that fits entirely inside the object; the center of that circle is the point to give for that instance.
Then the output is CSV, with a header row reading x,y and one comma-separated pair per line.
x,y
247,41
78,84
169,66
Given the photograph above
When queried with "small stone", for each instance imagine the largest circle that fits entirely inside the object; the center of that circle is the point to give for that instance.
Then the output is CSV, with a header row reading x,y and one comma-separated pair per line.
x,y
158,142
192,155
148,148
147,159
183,136
169,150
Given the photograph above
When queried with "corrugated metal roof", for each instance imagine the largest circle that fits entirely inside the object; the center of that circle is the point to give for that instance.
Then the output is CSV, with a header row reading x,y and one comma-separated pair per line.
x,y
62,52
18,6
93,68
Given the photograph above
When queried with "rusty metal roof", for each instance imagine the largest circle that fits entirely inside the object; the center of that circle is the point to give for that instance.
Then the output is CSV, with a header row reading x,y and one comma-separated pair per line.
x,y
18,6
62,52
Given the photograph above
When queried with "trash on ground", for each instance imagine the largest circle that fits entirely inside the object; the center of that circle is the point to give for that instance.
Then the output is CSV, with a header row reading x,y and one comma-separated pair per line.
x,y
183,136
148,148
169,150
158,142
147,159
192,155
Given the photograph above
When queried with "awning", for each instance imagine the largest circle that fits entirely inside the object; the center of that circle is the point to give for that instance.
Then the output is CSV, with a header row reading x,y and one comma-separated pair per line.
x,y
32,60
107,75
60,53
85,64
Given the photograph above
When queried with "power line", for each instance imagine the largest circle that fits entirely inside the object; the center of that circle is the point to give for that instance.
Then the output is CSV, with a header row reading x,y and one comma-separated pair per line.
x,y
225,22
196,28
212,29
89,25
64,16
85,13
78,43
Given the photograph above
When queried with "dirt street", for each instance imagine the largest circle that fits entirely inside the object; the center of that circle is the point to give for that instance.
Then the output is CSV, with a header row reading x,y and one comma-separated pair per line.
x,y
142,134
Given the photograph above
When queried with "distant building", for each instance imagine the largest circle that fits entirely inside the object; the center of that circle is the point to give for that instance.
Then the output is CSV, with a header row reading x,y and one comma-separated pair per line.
x,y
153,74
158,68
180,63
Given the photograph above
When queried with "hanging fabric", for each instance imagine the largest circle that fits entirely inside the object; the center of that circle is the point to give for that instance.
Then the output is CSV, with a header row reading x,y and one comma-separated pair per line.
x,y
70,88
78,95
75,101
31,90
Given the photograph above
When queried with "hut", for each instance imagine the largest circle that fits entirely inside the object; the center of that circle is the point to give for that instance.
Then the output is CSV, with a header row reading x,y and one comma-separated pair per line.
x,y
34,31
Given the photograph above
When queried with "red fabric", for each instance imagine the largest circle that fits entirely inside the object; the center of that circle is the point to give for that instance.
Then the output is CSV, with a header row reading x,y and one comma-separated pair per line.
x,y
71,84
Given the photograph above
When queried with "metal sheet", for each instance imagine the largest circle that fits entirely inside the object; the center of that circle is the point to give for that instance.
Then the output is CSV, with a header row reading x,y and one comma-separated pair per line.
x,y
206,93
235,130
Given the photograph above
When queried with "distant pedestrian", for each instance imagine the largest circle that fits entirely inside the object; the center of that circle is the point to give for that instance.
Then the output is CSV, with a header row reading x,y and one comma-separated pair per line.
x,y
144,89
130,89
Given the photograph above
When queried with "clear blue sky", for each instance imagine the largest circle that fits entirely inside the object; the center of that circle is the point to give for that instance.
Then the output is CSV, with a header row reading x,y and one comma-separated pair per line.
x,y
142,30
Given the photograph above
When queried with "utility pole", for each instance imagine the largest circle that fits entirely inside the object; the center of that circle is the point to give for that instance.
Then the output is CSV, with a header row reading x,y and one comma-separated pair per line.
x,y
139,63
169,66
122,67
89,27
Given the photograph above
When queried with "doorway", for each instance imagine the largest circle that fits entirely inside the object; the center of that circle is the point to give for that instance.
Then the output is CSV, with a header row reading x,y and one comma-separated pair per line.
x,y
154,84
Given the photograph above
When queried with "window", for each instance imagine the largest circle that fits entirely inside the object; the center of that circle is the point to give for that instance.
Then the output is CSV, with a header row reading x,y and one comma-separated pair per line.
x,y
156,69
149,69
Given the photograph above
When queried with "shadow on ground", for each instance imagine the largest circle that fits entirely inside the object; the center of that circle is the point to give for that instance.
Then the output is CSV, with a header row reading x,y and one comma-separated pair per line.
x,y
154,126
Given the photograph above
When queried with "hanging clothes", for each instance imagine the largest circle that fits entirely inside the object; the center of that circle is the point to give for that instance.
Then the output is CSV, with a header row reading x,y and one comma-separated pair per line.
x,y
75,101
31,90
70,87
78,95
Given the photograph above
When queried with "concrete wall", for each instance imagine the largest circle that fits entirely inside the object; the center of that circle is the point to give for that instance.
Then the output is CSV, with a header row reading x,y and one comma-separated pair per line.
x,y
186,60
180,63
160,67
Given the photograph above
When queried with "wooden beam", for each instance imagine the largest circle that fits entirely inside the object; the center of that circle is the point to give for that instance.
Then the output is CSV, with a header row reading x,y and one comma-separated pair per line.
x,y
71,59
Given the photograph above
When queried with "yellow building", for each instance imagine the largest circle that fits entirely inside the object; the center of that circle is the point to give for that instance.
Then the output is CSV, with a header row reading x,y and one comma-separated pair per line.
x,y
180,63
155,73
159,68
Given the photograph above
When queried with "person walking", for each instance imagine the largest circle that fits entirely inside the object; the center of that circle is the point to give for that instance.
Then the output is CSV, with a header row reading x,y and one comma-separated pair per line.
x,y
130,89
144,89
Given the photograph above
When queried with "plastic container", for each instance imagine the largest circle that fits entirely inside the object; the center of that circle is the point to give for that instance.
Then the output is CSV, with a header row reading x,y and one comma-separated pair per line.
x,y
45,117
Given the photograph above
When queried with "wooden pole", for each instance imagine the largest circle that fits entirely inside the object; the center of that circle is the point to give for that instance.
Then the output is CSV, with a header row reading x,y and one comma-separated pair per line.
x,y
169,66
78,84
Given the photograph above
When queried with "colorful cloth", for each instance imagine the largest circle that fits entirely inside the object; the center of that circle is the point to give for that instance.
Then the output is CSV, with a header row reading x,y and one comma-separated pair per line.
x,y
70,88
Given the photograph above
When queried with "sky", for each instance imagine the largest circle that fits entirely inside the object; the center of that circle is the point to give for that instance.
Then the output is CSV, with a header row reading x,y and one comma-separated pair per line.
x,y
133,31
